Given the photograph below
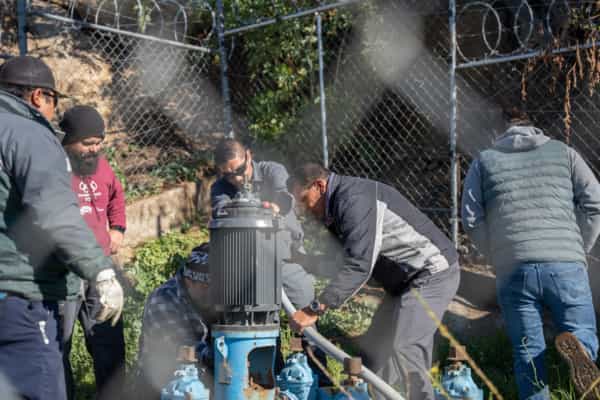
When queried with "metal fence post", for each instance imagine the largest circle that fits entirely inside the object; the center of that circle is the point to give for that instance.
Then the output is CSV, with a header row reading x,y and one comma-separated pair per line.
x,y
453,114
322,91
22,26
224,67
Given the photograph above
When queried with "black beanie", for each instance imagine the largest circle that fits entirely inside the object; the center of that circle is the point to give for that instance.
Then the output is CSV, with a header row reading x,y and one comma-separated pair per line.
x,y
81,122
196,267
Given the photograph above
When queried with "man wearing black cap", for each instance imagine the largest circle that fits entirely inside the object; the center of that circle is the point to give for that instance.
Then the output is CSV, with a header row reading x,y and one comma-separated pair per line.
x,y
102,206
39,217
178,313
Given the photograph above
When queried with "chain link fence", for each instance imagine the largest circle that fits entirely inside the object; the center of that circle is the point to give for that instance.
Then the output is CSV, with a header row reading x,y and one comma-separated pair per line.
x,y
156,88
8,29
388,102
386,90
152,69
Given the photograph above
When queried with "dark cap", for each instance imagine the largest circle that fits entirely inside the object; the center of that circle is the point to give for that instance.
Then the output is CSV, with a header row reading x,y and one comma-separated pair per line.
x,y
27,71
81,122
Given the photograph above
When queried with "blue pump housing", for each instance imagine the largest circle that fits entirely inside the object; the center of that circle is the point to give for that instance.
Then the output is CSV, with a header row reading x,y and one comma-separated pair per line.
x,y
458,384
187,385
244,359
298,379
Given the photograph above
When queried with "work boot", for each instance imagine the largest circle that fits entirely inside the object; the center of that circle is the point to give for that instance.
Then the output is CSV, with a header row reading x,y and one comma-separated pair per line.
x,y
584,372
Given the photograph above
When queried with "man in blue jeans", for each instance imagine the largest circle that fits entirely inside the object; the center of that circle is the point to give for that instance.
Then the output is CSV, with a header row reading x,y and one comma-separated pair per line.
x,y
531,205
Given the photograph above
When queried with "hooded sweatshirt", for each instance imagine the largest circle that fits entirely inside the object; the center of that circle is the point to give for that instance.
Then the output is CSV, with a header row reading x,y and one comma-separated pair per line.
x,y
531,199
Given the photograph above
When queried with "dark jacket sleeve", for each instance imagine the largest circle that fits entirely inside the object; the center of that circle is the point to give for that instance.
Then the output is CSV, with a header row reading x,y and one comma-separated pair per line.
x,y
356,223
39,168
278,177
218,195
116,202
282,197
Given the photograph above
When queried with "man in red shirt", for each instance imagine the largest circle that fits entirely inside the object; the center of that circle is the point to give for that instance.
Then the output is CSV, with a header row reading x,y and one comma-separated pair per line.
x,y
102,206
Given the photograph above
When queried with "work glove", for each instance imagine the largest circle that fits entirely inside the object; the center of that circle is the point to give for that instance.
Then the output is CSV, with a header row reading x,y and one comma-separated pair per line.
x,y
111,297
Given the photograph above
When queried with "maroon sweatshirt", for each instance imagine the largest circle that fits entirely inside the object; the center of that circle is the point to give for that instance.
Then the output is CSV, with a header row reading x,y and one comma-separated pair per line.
x,y
101,202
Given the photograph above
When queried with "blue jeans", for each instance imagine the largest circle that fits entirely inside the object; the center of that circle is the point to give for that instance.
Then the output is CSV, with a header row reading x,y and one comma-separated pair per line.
x,y
562,287
30,354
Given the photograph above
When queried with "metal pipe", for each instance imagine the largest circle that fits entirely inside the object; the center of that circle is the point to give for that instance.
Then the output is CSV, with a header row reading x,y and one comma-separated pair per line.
x,y
322,92
228,127
136,35
302,13
453,115
524,56
315,337
22,26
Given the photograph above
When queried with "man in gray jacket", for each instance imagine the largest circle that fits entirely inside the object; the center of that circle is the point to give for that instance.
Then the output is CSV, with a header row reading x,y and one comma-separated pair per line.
x,y
39,217
531,205
386,238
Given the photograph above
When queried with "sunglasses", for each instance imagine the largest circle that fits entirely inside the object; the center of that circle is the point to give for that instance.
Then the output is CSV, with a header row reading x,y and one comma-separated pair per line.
x,y
239,171
52,95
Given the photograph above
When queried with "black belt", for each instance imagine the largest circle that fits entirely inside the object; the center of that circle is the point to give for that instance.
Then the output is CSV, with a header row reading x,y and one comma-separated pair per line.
x,y
8,293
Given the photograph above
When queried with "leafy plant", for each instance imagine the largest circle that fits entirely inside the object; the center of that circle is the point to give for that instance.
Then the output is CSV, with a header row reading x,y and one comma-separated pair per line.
x,y
281,61
175,172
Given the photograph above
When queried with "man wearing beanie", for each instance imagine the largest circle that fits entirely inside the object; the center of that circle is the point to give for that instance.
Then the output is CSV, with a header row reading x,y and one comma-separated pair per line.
x,y
39,218
102,206
178,313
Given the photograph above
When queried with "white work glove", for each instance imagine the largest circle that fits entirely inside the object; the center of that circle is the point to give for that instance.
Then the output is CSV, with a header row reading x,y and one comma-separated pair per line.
x,y
111,296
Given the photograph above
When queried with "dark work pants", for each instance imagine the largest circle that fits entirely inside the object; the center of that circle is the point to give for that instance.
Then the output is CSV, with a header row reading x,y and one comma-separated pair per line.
x,y
104,343
399,343
30,356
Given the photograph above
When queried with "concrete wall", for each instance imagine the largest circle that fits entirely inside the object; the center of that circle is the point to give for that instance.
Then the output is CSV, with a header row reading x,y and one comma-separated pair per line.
x,y
151,217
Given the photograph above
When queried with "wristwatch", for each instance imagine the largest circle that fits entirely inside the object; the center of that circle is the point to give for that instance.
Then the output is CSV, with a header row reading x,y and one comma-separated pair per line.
x,y
118,228
315,307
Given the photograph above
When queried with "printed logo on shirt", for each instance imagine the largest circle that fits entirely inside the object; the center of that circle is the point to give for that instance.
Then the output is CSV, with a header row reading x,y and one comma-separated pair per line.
x,y
86,192
85,210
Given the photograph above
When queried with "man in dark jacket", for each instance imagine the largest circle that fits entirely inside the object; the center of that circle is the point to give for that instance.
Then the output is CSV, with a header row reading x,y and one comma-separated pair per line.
x,y
268,179
531,205
39,217
386,238
102,206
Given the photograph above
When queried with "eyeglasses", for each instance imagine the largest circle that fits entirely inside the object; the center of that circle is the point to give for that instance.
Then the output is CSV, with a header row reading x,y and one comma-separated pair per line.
x,y
52,95
239,171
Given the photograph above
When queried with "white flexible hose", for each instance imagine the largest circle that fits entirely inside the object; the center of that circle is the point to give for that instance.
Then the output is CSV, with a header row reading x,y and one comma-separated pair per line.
x,y
321,342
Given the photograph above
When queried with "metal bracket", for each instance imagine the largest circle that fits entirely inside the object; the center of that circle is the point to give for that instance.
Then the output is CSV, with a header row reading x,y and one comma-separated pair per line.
x,y
225,373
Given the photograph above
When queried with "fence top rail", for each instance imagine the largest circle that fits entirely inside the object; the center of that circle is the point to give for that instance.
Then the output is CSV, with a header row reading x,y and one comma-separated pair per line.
x,y
85,24
298,14
525,56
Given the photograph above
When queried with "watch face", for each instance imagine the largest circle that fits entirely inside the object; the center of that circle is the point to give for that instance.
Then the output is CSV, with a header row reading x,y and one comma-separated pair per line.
x,y
315,306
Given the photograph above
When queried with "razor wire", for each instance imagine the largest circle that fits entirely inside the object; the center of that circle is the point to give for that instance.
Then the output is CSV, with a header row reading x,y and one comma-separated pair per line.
x,y
170,19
